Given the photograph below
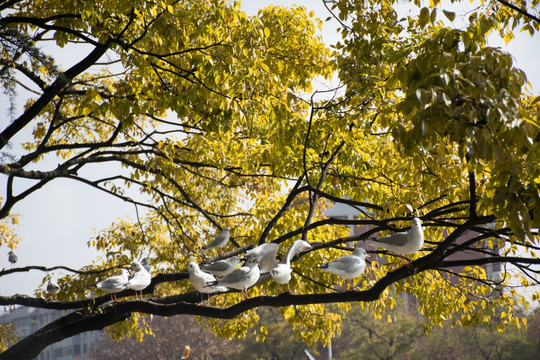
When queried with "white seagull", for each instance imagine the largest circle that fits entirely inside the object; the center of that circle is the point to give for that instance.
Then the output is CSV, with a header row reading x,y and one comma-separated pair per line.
x,y
241,278
221,267
221,240
114,284
53,288
349,266
265,255
282,272
199,279
139,280
403,243
12,258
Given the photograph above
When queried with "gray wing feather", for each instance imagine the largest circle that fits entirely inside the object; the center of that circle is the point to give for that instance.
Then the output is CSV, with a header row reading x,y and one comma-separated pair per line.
x,y
217,266
236,276
345,263
398,239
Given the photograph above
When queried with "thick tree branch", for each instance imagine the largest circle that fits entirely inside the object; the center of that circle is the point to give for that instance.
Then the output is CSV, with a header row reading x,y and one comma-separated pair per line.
x,y
50,92
84,320
472,194
490,260
11,200
108,313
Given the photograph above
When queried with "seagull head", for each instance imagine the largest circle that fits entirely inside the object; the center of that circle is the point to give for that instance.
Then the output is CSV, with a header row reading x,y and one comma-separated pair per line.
x,y
360,252
192,266
252,262
136,266
303,246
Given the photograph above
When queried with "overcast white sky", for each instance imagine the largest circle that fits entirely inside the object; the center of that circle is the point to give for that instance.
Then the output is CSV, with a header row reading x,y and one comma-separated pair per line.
x,y
58,220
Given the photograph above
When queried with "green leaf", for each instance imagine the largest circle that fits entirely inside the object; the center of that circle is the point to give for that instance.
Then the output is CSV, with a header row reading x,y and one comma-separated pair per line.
x,y
450,15
423,18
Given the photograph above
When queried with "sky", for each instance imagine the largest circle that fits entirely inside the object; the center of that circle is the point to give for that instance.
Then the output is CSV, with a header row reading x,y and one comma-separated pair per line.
x,y
60,219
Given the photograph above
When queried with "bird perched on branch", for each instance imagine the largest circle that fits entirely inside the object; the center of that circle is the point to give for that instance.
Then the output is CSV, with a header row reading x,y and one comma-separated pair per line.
x,y
282,272
221,240
139,280
114,284
265,255
12,258
199,280
221,267
349,266
241,278
402,243
53,288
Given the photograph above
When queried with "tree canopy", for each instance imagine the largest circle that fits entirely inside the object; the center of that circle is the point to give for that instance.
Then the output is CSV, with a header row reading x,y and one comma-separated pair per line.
x,y
205,118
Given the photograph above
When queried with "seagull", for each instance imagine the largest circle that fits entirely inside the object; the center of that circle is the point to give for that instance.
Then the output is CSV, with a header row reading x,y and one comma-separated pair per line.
x,y
349,266
139,280
221,267
282,272
114,284
199,279
266,256
12,258
146,264
403,243
53,288
221,240
241,278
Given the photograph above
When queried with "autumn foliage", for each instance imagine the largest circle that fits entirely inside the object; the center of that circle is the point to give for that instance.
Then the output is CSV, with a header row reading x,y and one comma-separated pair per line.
x,y
203,118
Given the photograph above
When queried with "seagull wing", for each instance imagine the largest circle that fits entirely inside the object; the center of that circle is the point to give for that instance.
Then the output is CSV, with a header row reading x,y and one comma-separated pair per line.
x,y
237,276
345,263
218,266
113,283
397,239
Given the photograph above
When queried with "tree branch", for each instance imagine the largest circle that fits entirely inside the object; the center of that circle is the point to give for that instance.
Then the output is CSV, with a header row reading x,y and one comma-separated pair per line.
x,y
54,89
472,194
47,269
490,260
519,10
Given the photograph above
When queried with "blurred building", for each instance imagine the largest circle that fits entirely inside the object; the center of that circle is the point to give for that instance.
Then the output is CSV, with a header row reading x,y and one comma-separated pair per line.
x,y
27,320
